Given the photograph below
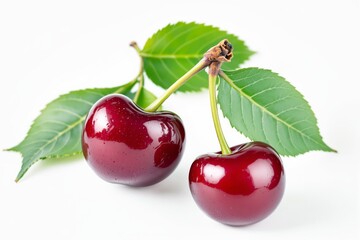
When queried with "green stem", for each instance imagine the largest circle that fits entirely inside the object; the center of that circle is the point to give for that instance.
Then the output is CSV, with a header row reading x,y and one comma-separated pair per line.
x,y
197,68
140,77
127,87
213,73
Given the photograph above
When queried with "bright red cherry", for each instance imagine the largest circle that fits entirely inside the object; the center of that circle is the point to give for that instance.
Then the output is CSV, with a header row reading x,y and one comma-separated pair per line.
x,y
241,188
124,144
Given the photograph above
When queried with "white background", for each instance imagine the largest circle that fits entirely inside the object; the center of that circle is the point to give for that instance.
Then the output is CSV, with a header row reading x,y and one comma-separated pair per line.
x,y
51,47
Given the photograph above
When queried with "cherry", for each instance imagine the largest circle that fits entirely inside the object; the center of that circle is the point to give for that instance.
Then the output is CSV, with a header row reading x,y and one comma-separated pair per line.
x,y
241,188
124,144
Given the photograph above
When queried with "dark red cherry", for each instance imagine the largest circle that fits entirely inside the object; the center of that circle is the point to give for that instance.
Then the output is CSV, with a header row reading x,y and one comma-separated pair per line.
x,y
241,188
124,144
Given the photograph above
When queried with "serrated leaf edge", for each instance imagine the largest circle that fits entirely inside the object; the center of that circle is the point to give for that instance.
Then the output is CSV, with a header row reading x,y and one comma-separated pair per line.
x,y
145,54
225,77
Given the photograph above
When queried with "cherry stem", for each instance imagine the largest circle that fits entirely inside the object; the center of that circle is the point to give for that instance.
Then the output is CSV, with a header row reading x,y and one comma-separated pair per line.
x,y
222,52
140,77
197,68
213,74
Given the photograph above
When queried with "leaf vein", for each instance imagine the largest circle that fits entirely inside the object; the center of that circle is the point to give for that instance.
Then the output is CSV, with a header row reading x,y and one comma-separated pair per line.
x,y
232,84
76,100
54,139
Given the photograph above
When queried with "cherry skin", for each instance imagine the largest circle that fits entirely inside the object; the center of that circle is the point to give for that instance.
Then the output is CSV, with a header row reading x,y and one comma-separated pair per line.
x,y
241,188
124,144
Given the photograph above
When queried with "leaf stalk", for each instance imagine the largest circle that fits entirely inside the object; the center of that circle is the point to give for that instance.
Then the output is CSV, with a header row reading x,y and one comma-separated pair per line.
x,y
140,77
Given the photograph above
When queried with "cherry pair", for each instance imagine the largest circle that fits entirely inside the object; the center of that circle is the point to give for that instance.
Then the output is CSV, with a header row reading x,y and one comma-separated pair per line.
x,y
127,145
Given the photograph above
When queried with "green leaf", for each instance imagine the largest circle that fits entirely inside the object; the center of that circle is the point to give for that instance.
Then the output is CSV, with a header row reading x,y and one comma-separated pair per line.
x,y
265,107
175,49
56,132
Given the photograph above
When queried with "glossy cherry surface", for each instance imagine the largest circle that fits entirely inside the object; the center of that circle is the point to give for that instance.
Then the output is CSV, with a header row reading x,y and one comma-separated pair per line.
x,y
241,188
124,144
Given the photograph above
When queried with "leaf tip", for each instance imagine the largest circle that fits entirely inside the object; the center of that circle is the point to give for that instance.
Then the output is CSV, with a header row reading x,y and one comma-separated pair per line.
x,y
12,149
252,52
333,150
326,148
19,176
